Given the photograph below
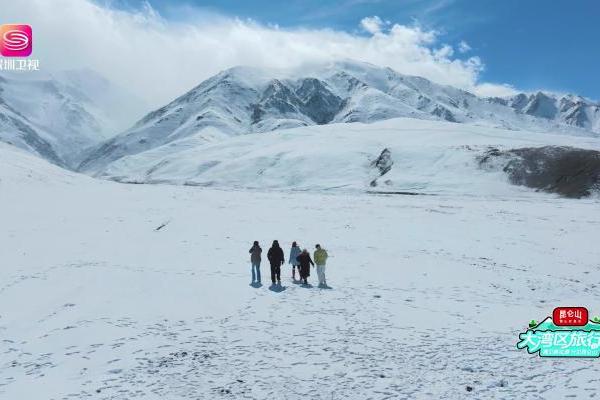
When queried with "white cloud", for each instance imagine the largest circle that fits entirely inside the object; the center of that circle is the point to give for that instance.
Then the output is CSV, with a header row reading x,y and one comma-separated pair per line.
x,y
494,90
159,59
463,47
372,25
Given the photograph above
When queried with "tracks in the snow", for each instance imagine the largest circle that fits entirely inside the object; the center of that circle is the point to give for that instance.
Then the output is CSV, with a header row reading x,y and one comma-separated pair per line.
x,y
284,345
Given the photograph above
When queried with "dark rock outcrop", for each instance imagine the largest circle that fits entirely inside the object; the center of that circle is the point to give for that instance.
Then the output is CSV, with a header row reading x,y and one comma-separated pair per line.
x,y
383,163
568,171
319,103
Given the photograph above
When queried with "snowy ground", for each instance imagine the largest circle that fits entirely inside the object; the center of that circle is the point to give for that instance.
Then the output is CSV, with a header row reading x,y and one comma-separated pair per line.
x,y
428,293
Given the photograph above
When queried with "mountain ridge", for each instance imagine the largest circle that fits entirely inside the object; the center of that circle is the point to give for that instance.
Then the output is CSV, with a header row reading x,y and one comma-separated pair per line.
x,y
57,116
68,123
243,100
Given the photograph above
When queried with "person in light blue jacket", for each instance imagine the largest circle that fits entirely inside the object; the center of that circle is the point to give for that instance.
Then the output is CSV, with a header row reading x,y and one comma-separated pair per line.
x,y
294,252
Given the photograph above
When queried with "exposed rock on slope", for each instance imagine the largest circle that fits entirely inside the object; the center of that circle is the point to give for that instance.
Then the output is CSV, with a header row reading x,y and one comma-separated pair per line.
x,y
568,171
383,164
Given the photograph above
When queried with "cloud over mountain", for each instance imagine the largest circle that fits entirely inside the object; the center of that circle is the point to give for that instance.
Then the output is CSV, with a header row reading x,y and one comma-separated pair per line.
x,y
159,58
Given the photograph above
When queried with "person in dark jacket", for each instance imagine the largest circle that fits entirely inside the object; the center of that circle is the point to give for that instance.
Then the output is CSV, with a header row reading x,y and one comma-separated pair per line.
x,y
305,263
275,256
255,253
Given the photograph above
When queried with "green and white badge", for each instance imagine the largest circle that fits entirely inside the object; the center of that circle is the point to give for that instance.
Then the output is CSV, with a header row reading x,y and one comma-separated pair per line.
x,y
568,333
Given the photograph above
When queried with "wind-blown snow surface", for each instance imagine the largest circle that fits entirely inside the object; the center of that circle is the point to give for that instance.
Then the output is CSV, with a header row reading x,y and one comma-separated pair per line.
x,y
428,293
431,157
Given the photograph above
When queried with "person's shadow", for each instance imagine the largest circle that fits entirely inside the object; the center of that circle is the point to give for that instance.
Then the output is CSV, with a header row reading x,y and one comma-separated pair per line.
x,y
277,288
297,282
324,286
256,285
306,285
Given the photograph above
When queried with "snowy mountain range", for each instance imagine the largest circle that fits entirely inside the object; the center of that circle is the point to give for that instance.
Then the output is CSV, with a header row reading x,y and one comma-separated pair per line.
x,y
567,109
58,116
72,118
244,100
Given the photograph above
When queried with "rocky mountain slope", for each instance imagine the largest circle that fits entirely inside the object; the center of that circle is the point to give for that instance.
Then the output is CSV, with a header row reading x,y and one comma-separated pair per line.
x,y
566,109
58,116
245,100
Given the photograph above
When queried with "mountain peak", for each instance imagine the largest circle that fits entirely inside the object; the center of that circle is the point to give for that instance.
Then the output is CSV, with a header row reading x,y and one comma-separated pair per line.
x,y
244,100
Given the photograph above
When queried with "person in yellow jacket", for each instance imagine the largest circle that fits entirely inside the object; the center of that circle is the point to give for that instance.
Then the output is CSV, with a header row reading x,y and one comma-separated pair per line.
x,y
320,258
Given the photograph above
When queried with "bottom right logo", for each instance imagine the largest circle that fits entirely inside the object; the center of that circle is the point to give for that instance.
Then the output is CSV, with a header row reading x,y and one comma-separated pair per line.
x,y
568,333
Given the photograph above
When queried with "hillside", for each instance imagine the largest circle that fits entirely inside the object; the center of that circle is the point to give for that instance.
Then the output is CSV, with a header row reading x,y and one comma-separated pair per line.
x,y
58,116
430,157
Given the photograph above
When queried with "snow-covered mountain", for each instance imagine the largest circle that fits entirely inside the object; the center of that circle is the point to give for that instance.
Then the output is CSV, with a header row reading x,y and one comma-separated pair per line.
x,y
395,155
245,100
16,129
566,109
58,116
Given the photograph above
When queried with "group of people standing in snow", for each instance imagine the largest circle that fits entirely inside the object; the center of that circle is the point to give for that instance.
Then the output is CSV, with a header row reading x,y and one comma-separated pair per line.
x,y
298,259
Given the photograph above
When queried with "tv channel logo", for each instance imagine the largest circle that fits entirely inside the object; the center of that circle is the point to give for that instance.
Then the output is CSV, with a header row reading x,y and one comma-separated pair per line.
x,y
16,40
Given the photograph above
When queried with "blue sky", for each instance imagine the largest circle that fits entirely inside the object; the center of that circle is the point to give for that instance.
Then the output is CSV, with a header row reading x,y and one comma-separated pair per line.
x,y
531,44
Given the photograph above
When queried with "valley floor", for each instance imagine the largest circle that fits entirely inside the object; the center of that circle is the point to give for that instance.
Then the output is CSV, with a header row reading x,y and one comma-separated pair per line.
x,y
428,294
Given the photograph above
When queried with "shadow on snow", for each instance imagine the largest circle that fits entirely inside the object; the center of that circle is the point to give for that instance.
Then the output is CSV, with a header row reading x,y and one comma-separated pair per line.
x,y
277,288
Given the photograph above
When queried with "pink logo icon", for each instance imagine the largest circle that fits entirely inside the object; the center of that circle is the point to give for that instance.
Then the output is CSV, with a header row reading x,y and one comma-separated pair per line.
x,y
16,40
